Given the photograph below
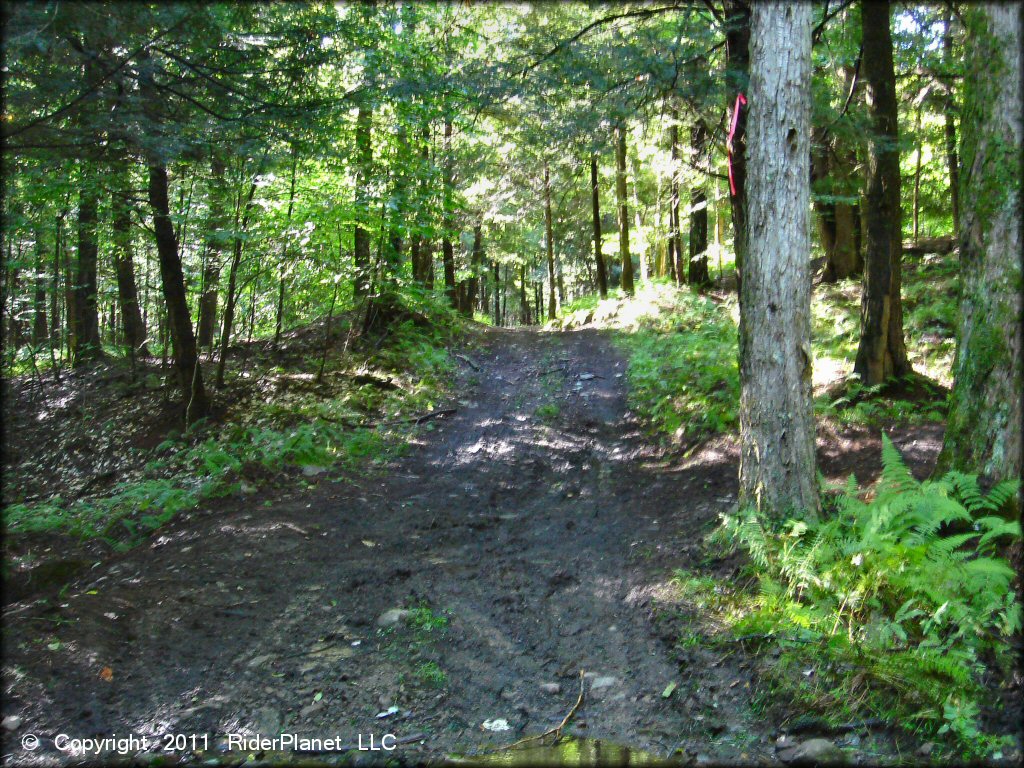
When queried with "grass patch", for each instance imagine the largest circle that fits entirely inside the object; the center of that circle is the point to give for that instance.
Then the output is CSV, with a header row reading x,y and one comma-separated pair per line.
x,y
285,430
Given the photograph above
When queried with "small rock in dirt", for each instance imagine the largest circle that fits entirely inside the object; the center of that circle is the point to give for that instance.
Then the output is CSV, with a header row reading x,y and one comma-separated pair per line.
x,y
552,688
312,470
498,724
12,723
267,721
924,750
811,752
391,617
603,682
309,709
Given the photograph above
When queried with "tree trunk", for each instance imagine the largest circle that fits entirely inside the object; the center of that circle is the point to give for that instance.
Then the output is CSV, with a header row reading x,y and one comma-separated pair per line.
x,y
124,265
86,344
190,376
595,205
983,433
548,242
447,251
524,307
476,260
917,178
58,246
419,253
40,333
236,259
364,171
620,198
881,353
283,266
497,293
698,267
776,417
952,162
737,57
674,222
216,223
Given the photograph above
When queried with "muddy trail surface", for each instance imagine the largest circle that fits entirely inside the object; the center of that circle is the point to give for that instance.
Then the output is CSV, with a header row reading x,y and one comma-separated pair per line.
x,y
515,550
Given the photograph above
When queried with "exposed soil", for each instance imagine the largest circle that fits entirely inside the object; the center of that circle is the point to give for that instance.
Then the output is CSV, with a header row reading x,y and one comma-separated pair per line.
x,y
539,519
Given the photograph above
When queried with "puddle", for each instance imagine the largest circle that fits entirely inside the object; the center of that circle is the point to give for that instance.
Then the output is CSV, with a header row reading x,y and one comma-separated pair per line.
x,y
571,752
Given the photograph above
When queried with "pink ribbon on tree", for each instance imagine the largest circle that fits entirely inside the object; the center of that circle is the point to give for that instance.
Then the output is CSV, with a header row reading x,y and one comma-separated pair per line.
x,y
740,101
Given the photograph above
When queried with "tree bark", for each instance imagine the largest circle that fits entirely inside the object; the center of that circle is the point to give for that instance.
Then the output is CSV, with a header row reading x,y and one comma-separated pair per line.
x,y
595,206
620,198
697,273
447,251
548,242
477,258
230,301
952,161
777,474
675,225
283,265
86,344
40,333
983,433
882,353
497,293
190,376
124,266
737,58
216,223
364,171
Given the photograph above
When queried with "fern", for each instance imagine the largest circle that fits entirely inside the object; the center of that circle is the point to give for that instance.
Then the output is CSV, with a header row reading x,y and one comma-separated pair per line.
x,y
883,580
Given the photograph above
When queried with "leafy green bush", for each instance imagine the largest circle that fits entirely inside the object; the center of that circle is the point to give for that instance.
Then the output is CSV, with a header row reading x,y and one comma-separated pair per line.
x,y
683,371
889,594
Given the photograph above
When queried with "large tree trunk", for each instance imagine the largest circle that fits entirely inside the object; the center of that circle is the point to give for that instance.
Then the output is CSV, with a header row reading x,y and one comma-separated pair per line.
x,y
190,376
216,223
882,352
86,335
549,242
776,417
364,166
595,205
447,251
984,429
620,198
698,266
124,266
737,63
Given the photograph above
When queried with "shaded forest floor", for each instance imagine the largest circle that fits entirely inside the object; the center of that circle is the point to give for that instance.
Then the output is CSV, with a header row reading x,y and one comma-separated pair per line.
x,y
529,536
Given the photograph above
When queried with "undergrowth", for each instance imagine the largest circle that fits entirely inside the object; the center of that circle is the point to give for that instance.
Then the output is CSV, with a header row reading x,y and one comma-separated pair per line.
x,y
216,460
901,604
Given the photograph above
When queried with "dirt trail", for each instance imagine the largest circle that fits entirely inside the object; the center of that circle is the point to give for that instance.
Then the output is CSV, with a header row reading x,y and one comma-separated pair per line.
x,y
540,534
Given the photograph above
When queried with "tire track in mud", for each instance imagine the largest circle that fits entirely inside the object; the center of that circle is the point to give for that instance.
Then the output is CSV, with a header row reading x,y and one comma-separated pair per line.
x,y
523,520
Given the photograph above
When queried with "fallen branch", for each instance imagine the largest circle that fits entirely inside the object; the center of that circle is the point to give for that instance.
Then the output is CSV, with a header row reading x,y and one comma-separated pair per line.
x,y
557,730
551,370
467,361
410,420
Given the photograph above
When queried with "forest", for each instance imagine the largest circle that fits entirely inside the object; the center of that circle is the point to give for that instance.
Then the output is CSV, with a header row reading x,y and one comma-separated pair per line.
x,y
584,383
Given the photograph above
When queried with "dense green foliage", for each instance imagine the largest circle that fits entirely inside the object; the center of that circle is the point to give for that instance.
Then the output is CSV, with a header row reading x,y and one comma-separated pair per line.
x,y
889,601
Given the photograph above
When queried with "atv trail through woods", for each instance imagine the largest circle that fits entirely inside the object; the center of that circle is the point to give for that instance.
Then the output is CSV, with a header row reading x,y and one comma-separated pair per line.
x,y
539,520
